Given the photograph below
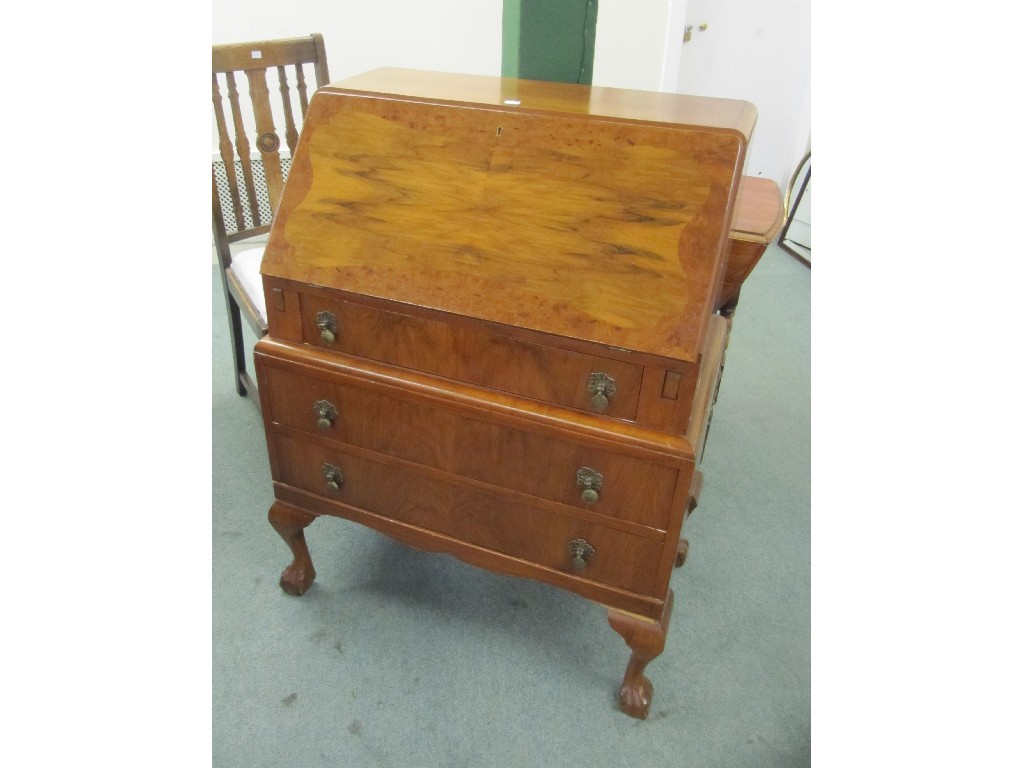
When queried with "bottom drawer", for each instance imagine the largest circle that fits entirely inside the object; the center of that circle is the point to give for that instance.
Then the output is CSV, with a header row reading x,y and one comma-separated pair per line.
x,y
470,514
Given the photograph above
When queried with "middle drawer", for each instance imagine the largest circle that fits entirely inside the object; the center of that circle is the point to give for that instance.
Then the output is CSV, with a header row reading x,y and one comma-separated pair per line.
x,y
601,481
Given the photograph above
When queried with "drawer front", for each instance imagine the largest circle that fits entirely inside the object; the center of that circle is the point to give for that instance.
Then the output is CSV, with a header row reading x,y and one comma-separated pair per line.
x,y
427,433
469,514
474,355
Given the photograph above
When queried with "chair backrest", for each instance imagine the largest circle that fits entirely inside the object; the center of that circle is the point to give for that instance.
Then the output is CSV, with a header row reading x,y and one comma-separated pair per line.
x,y
248,180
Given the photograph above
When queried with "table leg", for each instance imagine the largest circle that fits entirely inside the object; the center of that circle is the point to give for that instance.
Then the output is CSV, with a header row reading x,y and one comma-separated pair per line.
x,y
646,639
289,523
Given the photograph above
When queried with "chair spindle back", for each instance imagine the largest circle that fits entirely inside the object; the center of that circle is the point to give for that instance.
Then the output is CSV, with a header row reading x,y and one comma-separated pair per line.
x,y
252,178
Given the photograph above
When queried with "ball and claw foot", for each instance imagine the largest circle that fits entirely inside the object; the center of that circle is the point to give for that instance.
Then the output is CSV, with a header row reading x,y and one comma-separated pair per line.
x,y
646,640
295,579
635,698
289,523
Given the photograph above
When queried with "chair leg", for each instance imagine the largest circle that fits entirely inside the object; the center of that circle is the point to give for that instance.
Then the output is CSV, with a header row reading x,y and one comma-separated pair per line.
x,y
237,344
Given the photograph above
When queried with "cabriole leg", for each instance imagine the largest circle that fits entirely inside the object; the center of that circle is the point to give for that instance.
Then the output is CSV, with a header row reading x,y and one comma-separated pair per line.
x,y
289,524
646,638
682,550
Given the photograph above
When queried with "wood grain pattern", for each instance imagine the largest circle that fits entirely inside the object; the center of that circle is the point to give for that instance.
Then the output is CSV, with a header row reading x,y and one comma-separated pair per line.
x,y
606,434
599,230
758,214
537,463
756,222
472,354
481,557
744,255
579,100
267,140
480,518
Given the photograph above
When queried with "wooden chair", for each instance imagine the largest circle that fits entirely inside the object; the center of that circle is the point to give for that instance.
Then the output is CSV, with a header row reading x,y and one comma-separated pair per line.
x,y
247,179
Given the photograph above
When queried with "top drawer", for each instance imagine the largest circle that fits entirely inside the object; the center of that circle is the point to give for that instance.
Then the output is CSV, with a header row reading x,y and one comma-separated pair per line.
x,y
474,355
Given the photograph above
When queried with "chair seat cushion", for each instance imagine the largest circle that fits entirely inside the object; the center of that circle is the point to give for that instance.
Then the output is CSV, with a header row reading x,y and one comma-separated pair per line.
x,y
246,266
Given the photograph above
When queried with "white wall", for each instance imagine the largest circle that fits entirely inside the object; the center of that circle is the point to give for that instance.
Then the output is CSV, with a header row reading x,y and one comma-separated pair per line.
x,y
629,51
752,50
449,36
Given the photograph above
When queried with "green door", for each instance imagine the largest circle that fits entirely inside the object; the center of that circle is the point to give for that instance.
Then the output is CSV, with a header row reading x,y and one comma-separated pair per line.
x,y
549,40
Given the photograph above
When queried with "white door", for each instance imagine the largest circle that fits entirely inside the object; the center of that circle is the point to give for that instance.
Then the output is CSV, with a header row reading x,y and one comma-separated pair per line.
x,y
757,51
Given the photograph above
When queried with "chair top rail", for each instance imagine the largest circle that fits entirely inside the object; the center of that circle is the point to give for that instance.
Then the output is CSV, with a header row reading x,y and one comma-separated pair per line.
x,y
235,57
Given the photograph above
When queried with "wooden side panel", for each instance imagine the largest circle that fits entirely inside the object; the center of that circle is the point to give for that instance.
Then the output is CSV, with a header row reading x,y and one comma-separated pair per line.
x,y
756,220
284,311
707,387
758,213
665,397
743,257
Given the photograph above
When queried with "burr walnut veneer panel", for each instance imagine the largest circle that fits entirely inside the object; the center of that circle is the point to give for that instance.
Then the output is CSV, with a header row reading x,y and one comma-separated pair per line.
x,y
600,229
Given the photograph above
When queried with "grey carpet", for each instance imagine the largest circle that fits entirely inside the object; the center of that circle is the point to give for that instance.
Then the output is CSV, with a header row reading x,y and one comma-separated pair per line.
x,y
400,658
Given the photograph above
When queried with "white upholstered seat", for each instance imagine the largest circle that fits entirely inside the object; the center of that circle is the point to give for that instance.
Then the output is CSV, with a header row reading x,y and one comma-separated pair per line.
x,y
246,266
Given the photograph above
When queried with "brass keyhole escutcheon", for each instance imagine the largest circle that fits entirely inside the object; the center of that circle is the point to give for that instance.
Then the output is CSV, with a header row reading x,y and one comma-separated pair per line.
x,y
333,477
326,414
327,324
590,482
580,552
602,387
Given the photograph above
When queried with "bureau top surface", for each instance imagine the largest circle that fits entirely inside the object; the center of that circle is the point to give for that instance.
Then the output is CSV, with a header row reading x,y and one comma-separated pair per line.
x,y
596,214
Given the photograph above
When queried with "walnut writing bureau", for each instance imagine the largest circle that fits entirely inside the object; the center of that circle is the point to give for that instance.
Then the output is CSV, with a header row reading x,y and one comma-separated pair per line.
x,y
492,330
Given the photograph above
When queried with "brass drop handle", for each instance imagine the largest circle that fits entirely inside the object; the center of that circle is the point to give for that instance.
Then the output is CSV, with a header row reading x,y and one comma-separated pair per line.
x,y
327,323
602,387
326,414
580,552
333,477
590,481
